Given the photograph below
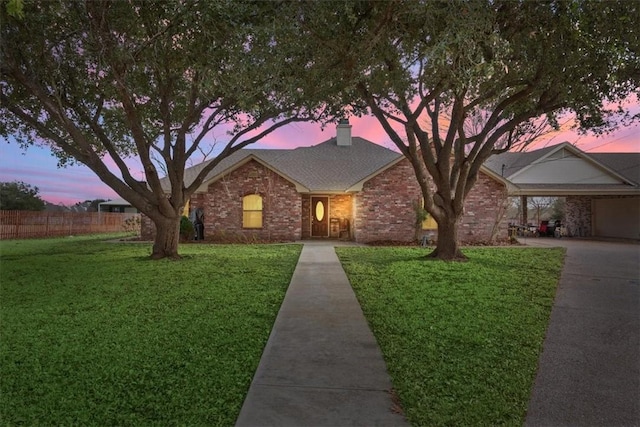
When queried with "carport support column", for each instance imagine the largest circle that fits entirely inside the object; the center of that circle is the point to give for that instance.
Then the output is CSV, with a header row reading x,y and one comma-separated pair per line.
x,y
523,205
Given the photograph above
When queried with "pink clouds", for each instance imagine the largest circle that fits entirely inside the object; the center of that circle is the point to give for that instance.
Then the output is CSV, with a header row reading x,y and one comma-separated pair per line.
x,y
623,140
38,167
307,134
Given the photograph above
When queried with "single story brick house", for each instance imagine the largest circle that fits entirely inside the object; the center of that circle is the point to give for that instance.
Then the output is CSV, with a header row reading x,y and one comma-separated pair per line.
x,y
345,187
601,190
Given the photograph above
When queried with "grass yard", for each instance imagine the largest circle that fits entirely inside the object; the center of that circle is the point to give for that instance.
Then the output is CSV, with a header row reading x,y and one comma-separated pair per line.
x,y
461,340
95,333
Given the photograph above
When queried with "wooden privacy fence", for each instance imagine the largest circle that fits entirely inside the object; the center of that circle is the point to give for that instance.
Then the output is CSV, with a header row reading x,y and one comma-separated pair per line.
x,y
29,224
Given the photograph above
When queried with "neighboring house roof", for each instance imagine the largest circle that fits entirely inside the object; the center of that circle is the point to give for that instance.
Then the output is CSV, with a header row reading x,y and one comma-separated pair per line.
x,y
121,203
115,202
563,169
325,167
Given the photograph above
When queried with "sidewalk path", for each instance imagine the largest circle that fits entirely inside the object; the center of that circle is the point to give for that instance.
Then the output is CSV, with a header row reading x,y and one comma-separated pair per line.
x,y
589,370
321,365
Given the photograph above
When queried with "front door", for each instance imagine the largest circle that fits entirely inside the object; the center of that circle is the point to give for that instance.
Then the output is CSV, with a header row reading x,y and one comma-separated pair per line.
x,y
319,217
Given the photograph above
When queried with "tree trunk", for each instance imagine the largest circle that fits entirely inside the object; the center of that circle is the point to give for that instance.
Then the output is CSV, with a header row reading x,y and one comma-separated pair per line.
x,y
447,248
165,244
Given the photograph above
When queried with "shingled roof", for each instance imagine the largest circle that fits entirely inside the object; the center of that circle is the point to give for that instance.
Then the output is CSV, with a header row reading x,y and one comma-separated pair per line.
x,y
507,164
626,164
325,167
624,167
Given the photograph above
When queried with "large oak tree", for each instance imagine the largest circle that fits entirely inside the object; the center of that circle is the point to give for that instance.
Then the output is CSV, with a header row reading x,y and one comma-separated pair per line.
x,y
104,82
454,82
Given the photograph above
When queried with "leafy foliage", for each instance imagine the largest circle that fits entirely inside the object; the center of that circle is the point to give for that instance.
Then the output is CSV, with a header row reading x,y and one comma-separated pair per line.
x,y
105,82
133,225
454,82
461,340
20,197
165,343
187,230
15,8
451,83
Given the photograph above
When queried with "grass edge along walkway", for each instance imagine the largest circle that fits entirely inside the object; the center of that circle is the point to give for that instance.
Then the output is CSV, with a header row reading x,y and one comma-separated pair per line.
x,y
461,340
95,333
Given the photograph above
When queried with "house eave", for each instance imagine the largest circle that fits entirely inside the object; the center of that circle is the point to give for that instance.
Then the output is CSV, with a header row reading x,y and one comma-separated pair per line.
x,y
203,187
499,178
561,192
328,192
357,187
578,153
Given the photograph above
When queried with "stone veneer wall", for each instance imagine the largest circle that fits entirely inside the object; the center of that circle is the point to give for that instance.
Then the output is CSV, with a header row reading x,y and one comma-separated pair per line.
x,y
578,216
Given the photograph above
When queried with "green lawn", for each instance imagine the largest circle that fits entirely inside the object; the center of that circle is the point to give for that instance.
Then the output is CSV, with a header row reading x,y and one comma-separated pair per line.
x,y
94,333
461,340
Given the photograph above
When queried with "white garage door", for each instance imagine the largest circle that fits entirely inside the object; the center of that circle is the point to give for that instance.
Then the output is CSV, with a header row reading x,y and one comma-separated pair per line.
x,y
617,217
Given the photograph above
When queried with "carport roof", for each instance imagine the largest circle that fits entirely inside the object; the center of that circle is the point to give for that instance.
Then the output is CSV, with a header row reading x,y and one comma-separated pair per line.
x,y
626,164
620,172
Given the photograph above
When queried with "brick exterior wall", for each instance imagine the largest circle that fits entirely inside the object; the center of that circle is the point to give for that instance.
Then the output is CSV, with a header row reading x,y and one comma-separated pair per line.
x,y
485,212
222,205
385,209
382,211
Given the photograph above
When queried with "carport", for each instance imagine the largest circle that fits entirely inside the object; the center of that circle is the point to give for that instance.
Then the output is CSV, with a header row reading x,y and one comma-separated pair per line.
x,y
602,190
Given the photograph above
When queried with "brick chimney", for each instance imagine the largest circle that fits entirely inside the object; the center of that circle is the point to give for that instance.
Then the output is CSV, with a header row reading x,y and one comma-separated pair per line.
x,y
343,133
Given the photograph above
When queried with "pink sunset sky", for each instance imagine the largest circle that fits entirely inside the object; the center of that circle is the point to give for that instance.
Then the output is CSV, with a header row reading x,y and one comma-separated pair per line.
x,y
38,167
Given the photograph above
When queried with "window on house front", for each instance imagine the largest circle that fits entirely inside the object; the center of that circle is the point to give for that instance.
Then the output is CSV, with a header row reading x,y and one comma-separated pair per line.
x,y
429,223
252,211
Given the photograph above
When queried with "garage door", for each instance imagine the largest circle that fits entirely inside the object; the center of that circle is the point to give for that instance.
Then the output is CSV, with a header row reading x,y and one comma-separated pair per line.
x,y
617,217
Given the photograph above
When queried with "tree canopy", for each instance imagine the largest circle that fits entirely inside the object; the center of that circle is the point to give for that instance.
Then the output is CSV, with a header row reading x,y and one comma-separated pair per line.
x,y
450,82
454,82
19,196
101,82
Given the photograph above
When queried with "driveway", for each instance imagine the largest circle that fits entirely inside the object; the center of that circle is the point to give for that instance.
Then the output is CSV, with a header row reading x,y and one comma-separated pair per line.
x,y
589,370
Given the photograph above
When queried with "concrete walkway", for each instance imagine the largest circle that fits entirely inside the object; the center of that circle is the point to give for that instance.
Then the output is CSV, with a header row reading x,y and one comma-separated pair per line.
x,y
589,370
321,365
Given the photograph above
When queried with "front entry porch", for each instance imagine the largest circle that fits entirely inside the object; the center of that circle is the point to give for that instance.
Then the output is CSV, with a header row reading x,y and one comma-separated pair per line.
x,y
327,216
